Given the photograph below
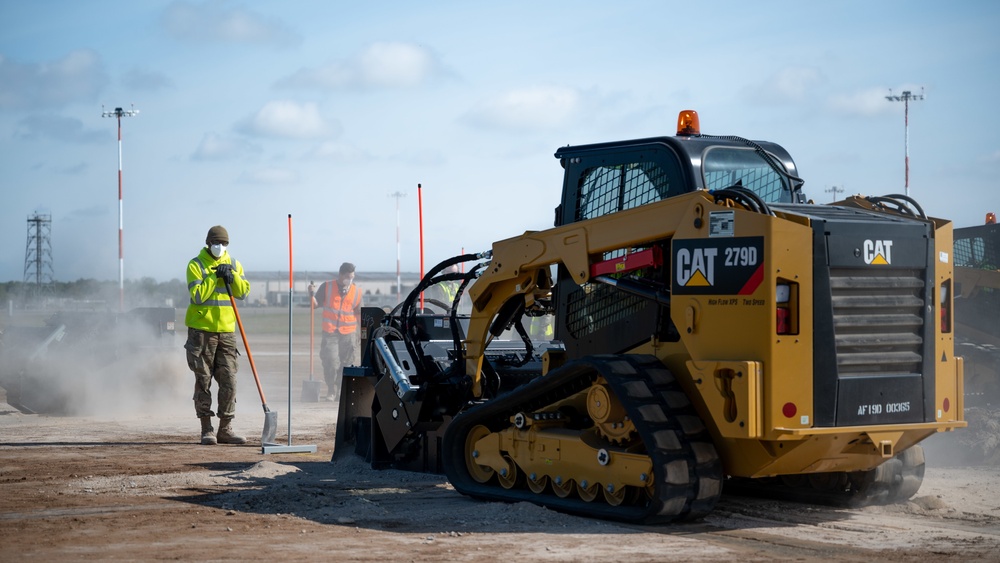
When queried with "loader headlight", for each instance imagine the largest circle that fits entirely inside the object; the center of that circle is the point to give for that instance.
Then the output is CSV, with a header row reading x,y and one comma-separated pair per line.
x,y
946,302
781,293
786,307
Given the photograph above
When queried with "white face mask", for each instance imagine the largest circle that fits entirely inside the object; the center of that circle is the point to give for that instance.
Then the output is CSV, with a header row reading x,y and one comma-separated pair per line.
x,y
217,250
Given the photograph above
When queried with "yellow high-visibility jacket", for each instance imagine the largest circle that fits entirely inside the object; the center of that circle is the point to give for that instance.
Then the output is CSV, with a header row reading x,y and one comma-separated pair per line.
x,y
210,309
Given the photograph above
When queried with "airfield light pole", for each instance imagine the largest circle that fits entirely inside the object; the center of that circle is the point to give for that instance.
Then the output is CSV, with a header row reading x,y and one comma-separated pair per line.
x,y
399,283
836,190
905,97
119,113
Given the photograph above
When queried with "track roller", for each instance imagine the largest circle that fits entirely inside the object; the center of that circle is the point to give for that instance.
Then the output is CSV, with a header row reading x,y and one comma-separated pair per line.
x,y
595,437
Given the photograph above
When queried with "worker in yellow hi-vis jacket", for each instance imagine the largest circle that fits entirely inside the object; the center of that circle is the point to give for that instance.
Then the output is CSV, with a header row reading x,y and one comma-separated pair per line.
x,y
211,341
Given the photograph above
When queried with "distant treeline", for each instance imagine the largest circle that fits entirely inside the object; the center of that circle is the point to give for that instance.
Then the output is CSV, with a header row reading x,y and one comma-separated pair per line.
x,y
94,294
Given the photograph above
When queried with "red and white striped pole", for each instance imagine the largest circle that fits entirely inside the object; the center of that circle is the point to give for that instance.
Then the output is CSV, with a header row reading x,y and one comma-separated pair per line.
x,y
399,281
119,113
420,212
906,145
905,98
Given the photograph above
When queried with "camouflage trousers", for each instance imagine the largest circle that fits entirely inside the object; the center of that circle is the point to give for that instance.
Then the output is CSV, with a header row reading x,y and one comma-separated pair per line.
x,y
336,351
212,355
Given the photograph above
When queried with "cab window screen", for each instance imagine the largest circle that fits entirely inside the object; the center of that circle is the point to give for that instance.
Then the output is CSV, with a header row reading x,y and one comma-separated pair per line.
x,y
971,253
724,167
610,188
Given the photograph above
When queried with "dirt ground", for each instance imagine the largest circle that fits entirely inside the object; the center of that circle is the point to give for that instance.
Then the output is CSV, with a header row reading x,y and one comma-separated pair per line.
x,y
122,477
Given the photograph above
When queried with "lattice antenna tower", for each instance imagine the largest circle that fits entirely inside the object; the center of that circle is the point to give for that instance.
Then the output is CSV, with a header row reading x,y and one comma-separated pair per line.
x,y
38,252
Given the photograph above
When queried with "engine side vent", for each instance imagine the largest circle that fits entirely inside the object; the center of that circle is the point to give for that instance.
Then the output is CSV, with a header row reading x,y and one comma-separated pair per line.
x,y
878,321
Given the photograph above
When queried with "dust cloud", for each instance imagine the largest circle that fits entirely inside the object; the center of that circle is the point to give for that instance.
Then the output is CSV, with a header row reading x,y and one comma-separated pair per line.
x,y
978,444
92,367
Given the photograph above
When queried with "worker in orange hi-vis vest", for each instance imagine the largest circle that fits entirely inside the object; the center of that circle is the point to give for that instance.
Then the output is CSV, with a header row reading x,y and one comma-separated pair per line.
x,y
340,300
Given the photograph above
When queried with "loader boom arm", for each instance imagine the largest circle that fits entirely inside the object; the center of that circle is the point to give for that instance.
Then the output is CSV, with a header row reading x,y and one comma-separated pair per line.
x,y
520,263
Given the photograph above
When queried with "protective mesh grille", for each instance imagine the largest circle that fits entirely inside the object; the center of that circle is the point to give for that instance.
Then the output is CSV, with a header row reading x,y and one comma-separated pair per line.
x,y
979,248
607,189
762,181
726,166
594,306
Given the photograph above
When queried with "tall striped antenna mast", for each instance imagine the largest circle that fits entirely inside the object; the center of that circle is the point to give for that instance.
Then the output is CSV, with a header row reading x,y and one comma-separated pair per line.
x,y
399,280
905,97
120,113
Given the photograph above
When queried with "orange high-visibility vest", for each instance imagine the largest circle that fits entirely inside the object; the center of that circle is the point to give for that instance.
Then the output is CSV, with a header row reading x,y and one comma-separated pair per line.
x,y
338,311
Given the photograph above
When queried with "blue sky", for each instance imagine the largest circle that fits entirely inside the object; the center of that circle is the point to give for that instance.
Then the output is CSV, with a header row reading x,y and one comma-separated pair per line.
x,y
250,111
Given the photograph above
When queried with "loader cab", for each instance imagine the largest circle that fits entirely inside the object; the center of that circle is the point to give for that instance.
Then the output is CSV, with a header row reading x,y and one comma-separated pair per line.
x,y
605,178
608,177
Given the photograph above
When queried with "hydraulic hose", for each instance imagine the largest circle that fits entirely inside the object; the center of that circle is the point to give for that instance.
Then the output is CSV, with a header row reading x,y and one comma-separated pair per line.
x,y
405,390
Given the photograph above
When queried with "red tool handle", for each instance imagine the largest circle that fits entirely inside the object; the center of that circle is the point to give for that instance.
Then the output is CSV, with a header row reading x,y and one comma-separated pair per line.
x,y
246,345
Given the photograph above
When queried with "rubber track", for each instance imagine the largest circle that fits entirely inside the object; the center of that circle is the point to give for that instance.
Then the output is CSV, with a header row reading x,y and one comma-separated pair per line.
x,y
675,438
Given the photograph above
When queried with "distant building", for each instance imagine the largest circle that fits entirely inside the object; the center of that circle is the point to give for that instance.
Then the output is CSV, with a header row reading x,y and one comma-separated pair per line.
x,y
270,289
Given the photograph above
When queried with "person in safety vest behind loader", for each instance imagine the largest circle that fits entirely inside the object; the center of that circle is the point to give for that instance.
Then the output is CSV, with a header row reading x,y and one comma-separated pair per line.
x,y
445,292
211,341
340,300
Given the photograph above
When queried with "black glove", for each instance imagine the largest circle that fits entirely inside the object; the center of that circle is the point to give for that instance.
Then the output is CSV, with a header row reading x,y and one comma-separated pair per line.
x,y
225,273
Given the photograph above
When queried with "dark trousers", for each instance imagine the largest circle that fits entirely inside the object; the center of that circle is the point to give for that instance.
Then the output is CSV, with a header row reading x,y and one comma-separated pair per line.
x,y
336,351
212,355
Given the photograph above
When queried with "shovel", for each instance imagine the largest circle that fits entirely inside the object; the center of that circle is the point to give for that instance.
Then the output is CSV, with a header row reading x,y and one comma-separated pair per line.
x,y
310,388
270,417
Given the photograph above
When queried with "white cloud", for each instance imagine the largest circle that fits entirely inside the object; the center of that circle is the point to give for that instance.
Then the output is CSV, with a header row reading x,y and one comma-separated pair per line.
x,y
528,108
212,21
288,119
79,76
396,64
380,65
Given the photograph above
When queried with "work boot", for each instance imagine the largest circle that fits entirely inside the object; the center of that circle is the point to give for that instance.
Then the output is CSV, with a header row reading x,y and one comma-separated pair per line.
x,y
207,432
334,395
226,435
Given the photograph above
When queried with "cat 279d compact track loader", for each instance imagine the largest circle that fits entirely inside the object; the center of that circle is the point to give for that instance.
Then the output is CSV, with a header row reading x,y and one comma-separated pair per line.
x,y
690,323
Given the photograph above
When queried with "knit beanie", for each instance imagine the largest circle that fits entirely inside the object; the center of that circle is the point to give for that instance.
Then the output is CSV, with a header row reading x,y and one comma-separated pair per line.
x,y
217,233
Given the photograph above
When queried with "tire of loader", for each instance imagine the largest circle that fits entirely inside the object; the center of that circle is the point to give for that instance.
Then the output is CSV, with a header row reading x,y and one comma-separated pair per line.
x,y
911,475
896,480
